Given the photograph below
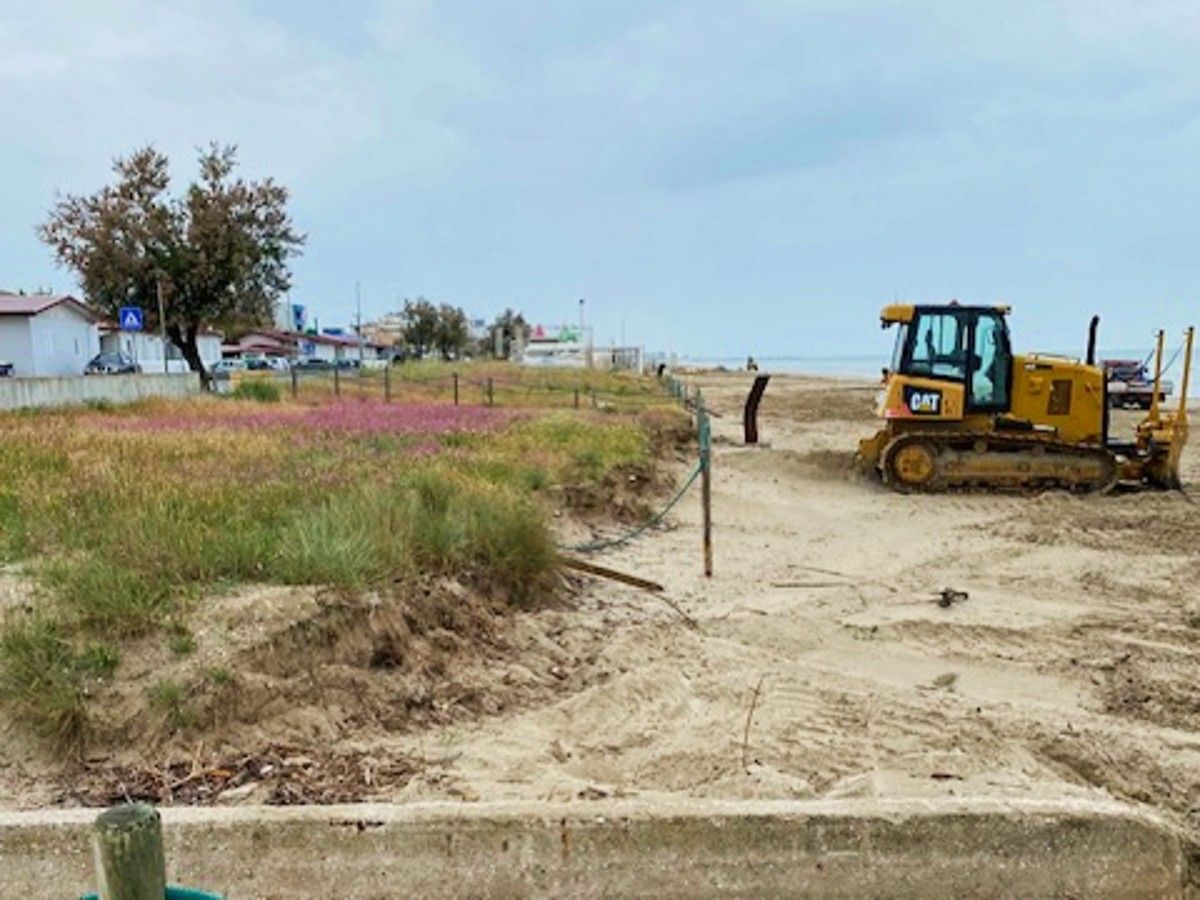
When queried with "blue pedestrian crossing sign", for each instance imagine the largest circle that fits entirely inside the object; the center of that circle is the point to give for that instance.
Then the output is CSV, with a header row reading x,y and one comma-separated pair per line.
x,y
131,318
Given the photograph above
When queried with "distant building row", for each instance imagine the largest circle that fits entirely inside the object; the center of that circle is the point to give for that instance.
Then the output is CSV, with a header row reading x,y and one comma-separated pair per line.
x,y
46,335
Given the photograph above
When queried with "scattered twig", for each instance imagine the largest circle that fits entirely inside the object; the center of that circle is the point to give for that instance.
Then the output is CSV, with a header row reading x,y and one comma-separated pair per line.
x,y
749,717
811,584
850,579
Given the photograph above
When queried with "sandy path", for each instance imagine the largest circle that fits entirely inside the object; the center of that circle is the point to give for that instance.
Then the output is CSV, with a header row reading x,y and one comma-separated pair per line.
x,y
1070,670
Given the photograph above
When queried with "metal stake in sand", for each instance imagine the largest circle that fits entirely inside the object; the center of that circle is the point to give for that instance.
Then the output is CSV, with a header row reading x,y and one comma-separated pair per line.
x,y
704,434
127,846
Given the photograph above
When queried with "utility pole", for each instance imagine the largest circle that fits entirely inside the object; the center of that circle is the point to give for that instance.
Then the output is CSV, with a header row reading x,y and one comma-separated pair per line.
x,y
581,318
358,304
162,325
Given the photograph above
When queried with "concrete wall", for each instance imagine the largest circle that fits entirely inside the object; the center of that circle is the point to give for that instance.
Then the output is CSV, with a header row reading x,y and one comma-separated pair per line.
x,y
63,341
17,393
15,345
854,848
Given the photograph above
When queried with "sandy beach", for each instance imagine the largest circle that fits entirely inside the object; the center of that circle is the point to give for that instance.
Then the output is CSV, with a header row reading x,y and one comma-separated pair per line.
x,y
1068,671
816,663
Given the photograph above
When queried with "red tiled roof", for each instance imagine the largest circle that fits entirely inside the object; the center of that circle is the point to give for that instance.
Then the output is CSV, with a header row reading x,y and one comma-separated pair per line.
x,y
34,304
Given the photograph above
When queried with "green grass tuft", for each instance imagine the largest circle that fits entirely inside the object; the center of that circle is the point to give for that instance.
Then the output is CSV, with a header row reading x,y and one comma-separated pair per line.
x,y
258,391
182,642
170,698
40,678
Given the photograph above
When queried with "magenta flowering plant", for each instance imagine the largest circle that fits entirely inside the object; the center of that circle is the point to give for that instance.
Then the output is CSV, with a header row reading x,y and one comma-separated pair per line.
x,y
349,418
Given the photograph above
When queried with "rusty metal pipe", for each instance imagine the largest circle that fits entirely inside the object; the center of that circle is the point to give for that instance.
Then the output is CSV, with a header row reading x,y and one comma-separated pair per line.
x,y
750,415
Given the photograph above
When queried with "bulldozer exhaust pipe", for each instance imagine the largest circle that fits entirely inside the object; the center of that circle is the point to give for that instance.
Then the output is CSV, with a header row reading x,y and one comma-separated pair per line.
x,y
1091,345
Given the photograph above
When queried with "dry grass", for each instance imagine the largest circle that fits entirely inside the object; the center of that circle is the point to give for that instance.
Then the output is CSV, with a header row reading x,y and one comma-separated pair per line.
x,y
125,516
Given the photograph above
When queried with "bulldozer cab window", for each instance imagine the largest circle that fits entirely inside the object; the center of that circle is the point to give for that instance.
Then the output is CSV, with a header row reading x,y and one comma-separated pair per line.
x,y
939,345
991,364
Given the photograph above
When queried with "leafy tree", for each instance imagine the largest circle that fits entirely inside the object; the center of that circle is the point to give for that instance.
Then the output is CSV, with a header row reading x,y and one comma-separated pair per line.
x,y
419,326
513,330
451,336
220,251
427,328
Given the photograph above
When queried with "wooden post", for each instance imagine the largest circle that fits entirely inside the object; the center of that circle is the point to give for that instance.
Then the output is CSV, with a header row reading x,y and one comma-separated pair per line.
x,y
577,398
337,382
127,847
387,384
705,439
491,397
456,389
295,382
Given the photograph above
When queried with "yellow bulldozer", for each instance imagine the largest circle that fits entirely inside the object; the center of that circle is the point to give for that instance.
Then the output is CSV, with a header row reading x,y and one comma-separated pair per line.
x,y
961,410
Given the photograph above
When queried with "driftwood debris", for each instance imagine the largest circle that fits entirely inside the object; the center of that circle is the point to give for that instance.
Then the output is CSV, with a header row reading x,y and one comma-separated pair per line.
x,y
612,574
652,587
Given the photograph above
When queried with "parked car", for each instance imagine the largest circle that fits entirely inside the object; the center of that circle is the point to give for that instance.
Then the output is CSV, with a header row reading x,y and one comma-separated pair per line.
x,y
6,369
228,366
347,364
278,364
1130,384
112,364
258,364
314,365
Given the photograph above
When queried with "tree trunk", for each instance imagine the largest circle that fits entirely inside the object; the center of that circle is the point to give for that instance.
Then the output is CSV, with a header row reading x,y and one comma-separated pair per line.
x,y
185,340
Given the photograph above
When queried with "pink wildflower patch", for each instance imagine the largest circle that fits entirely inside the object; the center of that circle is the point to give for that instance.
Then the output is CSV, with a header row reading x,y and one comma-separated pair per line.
x,y
351,418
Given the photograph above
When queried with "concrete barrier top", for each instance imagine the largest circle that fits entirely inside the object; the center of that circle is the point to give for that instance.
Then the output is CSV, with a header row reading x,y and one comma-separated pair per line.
x,y
892,848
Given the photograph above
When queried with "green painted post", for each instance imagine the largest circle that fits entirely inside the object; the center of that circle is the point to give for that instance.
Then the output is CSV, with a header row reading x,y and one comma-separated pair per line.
x,y
337,382
704,434
387,384
295,384
491,397
456,389
127,847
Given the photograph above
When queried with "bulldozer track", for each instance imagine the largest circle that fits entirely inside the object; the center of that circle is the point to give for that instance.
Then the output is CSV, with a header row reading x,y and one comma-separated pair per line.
x,y
934,462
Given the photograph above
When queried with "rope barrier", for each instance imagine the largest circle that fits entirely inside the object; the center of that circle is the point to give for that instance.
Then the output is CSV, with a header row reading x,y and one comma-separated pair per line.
x,y
620,541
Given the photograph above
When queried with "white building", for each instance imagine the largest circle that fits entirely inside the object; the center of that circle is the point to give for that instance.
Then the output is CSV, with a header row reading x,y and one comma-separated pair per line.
x,y
46,334
146,349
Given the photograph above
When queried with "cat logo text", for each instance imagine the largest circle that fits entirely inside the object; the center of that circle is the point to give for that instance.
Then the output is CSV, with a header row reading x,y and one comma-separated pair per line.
x,y
923,402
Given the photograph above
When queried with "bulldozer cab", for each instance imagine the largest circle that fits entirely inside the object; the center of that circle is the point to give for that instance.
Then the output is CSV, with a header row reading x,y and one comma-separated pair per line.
x,y
967,346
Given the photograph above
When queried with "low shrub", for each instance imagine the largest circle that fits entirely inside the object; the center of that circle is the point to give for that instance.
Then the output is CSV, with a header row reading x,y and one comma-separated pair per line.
x,y
257,390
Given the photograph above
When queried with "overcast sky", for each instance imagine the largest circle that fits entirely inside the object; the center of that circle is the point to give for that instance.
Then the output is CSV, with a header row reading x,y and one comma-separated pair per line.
x,y
723,177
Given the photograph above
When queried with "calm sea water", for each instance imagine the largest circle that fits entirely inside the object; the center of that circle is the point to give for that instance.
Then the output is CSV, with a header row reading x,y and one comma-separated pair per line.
x,y
870,366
